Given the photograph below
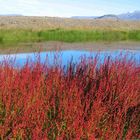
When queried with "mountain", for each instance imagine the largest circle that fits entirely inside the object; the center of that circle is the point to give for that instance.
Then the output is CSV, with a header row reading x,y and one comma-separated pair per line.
x,y
84,17
108,17
130,16
10,15
125,16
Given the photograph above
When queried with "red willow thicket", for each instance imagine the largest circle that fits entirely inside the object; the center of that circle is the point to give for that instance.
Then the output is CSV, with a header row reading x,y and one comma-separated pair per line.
x,y
83,101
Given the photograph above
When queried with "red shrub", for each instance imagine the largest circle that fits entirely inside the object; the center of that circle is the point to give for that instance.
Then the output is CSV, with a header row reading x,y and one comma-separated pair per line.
x,y
84,101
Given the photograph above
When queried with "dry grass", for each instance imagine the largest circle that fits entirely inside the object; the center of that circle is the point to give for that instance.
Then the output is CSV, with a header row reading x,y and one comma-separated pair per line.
x,y
39,23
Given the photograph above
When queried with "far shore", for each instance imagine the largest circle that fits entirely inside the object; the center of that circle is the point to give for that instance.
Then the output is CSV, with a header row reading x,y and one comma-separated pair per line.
x,y
58,46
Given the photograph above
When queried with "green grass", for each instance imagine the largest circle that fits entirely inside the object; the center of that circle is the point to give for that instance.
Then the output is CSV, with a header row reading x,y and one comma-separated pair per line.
x,y
18,36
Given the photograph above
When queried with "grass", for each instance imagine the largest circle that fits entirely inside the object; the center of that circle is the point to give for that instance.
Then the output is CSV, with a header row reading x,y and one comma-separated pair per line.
x,y
82,101
13,36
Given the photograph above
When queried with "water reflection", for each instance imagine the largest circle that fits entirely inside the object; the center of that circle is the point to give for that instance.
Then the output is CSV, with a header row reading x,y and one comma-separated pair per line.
x,y
68,55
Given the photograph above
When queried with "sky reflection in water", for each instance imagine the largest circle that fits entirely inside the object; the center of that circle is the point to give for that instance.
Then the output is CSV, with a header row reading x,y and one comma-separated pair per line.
x,y
66,56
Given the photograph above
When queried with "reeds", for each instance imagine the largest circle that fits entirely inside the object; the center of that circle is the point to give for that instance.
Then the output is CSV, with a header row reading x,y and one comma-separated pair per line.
x,y
83,101
13,36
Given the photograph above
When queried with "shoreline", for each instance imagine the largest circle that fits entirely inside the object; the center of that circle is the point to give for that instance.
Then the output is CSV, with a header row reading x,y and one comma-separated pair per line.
x,y
59,46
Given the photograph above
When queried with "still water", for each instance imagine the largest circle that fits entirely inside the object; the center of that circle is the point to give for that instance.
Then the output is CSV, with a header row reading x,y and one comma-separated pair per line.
x,y
66,56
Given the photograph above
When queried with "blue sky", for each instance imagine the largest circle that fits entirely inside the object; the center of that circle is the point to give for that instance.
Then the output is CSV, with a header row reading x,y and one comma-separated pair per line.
x,y
68,8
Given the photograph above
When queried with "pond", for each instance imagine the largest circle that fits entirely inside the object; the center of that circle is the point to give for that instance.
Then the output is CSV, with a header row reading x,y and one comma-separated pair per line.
x,y
66,56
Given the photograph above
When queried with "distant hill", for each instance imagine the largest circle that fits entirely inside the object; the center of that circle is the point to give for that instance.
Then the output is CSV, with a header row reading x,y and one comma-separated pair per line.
x,y
125,16
10,15
130,16
108,17
41,23
84,17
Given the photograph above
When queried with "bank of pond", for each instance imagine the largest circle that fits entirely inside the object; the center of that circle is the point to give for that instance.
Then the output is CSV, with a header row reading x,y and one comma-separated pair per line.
x,y
14,36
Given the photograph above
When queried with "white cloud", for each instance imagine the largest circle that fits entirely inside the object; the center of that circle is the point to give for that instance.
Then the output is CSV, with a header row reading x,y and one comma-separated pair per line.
x,y
45,7
19,6
66,8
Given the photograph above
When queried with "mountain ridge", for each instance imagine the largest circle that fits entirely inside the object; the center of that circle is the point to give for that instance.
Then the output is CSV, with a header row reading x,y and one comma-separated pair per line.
x,y
124,16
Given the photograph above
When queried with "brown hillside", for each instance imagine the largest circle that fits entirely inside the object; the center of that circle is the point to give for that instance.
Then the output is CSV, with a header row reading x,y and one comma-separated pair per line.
x,y
39,23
